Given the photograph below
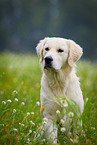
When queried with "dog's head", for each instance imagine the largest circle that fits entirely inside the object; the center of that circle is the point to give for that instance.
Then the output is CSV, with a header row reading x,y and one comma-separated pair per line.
x,y
55,52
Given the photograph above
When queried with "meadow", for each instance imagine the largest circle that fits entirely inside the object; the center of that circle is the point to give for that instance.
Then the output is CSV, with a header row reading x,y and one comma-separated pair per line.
x,y
20,119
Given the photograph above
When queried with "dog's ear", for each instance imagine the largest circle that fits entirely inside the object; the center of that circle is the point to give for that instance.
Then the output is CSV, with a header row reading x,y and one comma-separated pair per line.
x,y
39,48
75,52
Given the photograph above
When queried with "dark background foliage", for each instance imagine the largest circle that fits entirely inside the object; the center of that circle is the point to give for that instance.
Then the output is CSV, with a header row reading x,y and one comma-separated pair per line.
x,y
24,22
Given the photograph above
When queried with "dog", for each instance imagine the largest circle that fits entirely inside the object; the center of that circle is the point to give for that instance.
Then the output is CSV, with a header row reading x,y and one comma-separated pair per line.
x,y
57,58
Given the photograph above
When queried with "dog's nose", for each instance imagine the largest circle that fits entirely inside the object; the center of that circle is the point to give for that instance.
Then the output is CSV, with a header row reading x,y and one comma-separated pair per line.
x,y
48,59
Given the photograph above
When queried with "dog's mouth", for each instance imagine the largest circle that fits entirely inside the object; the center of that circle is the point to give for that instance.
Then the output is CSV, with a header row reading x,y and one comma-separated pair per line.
x,y
46,66
48,62
50,67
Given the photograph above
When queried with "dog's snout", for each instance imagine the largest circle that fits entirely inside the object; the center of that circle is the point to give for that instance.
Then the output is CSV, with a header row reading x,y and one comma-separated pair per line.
x,y
48,59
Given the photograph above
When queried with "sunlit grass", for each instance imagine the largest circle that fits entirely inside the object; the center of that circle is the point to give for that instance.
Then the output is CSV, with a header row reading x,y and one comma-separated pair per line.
x,y
20,119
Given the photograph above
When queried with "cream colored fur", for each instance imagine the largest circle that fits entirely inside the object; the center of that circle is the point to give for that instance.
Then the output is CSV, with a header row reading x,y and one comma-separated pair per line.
x,y
60,79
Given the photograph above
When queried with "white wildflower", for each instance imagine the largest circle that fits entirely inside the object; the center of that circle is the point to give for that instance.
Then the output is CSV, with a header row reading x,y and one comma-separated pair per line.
x,y
32,113
62,121
63,129
38,103
2,125
32,122
14,110
76,136
43,140
74,140
71,114
16,99
15,129
22,124
71,139
28,113
3,102
93,128
30,131
19,123
23,103
28,139
34,132
15,92
9,101
86,99
45,120
64,103
57,112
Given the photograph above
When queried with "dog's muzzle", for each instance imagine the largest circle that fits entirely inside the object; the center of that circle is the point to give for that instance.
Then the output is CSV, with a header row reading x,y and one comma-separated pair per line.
x,y
48,62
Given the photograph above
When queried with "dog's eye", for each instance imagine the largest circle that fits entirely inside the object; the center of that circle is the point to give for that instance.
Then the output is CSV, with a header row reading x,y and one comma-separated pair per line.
x,y
60,50
47,49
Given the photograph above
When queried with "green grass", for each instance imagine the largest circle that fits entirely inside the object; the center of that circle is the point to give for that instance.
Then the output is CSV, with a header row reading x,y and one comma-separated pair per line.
x,y
20,77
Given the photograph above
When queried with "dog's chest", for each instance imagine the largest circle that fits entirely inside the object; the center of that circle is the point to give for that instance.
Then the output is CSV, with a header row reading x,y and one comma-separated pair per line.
x,y
58,89
54,86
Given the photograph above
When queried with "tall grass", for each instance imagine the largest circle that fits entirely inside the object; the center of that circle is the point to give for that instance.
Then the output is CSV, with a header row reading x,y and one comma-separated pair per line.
x,y
20,119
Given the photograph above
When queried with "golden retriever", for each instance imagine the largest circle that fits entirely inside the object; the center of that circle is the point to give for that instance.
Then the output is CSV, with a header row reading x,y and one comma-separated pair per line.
x,y
58,57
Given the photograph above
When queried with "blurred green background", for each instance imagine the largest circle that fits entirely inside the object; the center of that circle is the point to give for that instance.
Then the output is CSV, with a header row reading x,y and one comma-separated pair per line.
x,y
24,22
